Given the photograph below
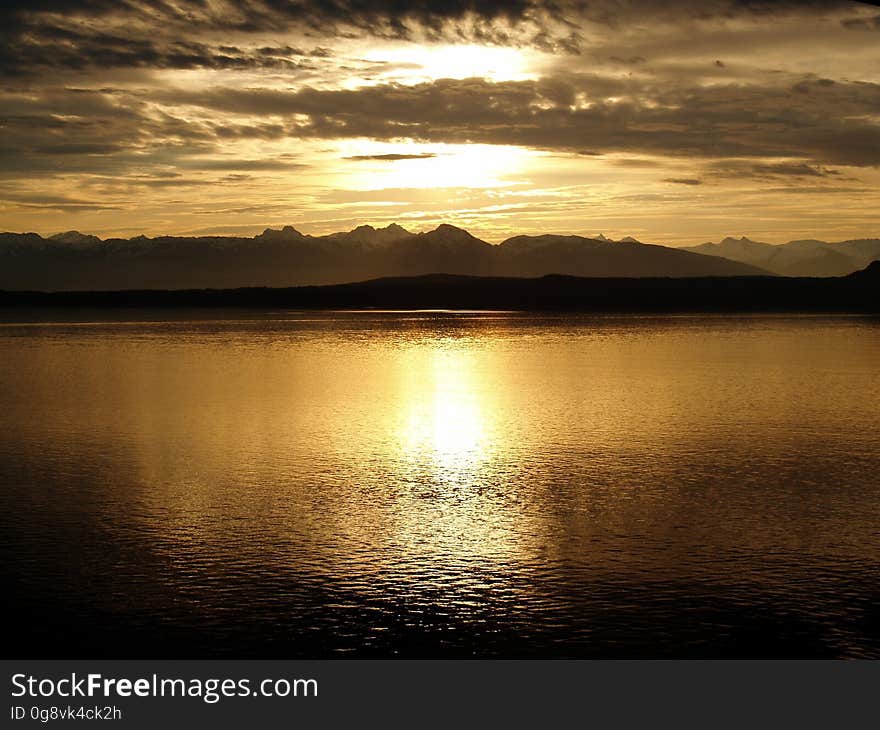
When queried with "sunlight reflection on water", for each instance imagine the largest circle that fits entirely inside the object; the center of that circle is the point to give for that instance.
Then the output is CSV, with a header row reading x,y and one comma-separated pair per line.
x,y
443,484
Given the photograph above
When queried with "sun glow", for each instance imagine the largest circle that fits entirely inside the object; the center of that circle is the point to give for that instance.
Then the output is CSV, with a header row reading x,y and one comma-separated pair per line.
x,y
411,63
375,166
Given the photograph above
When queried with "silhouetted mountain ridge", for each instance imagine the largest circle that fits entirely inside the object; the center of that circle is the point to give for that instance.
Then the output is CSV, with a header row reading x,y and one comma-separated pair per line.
x,y
870,273
855,293
287,257
804,257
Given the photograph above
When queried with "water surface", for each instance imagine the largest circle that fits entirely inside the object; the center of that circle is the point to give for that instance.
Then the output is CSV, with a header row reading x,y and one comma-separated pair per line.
x,y
440,484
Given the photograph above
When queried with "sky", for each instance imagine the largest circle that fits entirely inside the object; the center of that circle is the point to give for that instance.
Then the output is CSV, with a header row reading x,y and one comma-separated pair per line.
x,y
673,122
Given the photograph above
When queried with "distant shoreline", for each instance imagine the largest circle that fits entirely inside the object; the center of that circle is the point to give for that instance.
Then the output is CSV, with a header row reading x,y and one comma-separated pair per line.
x,y
854,293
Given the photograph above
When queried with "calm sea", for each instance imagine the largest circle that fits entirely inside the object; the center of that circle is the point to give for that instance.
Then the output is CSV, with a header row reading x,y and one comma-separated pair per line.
x,y
436,484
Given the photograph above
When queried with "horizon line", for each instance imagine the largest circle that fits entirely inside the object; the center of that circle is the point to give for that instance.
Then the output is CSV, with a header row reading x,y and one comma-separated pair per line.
x,y
599,236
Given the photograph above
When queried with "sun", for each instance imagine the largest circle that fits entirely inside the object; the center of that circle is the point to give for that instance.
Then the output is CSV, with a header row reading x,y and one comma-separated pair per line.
x,y
372,165
413,63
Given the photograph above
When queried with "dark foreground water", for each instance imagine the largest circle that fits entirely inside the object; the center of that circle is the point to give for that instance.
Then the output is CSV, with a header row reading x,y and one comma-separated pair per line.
x,y
430,484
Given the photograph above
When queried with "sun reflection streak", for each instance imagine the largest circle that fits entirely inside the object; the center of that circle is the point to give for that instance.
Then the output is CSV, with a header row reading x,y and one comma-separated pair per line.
x,y
446,423
457,511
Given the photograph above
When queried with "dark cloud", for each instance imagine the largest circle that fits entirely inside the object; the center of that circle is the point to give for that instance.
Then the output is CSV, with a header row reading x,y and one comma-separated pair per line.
x,y
628,61
815,123
392,157
239,164
79,148
749,169
71,207
861,23
826,125
45,35
79,131
818,190
636,162
62,203
683,180
49,48
795,169
178,182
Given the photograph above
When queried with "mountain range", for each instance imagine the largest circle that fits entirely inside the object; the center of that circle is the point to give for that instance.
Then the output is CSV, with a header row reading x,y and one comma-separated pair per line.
x,y
797,258
286,257
855,293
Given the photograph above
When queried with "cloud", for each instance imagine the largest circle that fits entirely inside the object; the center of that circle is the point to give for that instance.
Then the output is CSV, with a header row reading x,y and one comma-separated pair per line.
x,y
58,49
683,180
629,61
818,189
861,23
81,34
71,207
393,157
79,148
63,203
70,35
220,163
762,170
827,124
